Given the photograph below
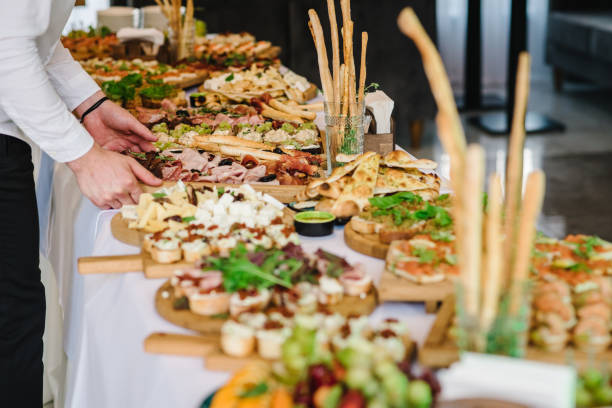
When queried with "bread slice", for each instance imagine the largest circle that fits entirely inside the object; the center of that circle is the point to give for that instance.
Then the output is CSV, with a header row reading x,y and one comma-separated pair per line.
x,y
390,233
166,256
342,171
365,226
233,141
402,159
209,304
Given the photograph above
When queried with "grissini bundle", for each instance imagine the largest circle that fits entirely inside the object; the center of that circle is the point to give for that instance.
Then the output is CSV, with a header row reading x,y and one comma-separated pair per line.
x,y
362,71
514,163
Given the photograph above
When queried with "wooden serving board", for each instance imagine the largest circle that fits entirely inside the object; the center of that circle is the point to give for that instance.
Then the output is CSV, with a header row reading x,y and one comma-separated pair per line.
x,y
284,194
92,265
209,347
367,244
122,232
208,325
393,288
439,350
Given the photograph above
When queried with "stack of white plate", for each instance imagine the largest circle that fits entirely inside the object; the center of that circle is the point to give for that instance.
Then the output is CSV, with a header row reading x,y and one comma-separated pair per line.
x,y
152,17
116,18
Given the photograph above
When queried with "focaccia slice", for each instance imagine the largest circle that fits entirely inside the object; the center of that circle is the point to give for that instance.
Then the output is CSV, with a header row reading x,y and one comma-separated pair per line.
x,y
401,159
394,180
342,171
359,189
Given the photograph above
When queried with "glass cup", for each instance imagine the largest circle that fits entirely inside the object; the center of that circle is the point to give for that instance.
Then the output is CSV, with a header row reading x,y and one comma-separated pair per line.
x,y
344,130
508,333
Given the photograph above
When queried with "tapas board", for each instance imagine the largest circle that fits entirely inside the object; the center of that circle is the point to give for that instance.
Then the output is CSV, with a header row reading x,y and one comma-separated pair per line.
x,y
164,303
393,288
367,244
439,349
283,193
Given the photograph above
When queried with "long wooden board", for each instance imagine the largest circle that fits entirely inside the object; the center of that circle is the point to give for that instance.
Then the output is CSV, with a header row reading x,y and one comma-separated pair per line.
x,y
367,244
164,300
209,347
393,288
440,350
284,194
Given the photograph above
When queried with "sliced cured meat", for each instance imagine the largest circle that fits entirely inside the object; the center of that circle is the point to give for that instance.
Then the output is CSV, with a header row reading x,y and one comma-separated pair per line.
x,y
244,110
255,174
168,105
172,172
149,116
229,174
298,164
256,120
222,117
192,160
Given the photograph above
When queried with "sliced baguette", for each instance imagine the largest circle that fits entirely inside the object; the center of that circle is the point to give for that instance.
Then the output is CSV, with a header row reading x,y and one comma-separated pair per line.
x,y
365,226
209,304
243,151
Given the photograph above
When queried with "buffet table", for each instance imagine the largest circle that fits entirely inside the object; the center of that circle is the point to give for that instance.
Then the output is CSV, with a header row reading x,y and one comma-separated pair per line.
x,y
107,318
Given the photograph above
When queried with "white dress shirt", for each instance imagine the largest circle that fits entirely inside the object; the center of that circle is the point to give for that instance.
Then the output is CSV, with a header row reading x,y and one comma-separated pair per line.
x,y
40,83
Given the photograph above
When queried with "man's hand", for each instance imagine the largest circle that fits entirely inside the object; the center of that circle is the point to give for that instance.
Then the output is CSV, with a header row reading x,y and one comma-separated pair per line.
x,y
113,128
108,179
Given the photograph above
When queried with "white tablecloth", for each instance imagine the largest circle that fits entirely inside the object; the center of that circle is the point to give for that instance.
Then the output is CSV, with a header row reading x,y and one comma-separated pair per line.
x,y
107,317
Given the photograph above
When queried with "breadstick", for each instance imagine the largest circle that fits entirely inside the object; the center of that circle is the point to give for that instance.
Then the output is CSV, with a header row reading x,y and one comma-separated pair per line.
x,y
351,65
292,110
331,9
493,264
472,228
272,113
316,107
345,94
326,81
530,209
514,163
410,25
362,71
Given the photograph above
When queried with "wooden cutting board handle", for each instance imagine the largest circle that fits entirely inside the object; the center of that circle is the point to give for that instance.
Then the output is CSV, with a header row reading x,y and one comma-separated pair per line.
x,y
109,264
179,344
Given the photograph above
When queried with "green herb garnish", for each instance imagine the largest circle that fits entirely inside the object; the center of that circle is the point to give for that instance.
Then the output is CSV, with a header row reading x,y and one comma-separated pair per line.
x,y
229,78
158,195
425,255
188,219
256,391
158,91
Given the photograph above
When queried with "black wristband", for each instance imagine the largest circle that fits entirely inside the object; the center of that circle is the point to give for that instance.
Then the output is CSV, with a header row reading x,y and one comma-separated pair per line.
x,y
93,107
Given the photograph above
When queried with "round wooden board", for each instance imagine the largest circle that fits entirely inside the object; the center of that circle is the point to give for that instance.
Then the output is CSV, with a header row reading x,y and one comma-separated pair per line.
x,y
121,231
367,244
204,324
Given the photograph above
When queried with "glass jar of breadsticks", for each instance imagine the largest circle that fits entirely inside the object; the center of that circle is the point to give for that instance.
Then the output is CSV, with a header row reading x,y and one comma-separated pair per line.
x,y
344,128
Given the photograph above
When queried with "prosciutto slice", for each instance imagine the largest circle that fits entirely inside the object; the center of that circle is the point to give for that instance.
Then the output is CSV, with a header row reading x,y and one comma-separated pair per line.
x,y
149,116
192,160
255,174
172,172
233,174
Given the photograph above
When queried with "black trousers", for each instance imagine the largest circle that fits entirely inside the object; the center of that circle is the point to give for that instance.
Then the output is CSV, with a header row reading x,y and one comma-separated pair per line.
x,y
22,295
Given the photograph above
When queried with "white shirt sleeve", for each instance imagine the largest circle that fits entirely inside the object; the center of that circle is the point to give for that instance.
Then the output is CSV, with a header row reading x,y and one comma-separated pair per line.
x,y
27,95
69,79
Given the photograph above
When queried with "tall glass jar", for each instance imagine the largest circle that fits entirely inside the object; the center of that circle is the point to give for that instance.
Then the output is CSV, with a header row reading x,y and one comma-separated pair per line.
x,y
344,128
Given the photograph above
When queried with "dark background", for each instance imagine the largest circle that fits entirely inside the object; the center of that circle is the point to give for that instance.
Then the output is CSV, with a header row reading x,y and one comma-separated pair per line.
x,y
393,60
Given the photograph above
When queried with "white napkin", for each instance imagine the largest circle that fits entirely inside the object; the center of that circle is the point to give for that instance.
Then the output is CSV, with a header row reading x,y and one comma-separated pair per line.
x,y
381,107
147,34
534,384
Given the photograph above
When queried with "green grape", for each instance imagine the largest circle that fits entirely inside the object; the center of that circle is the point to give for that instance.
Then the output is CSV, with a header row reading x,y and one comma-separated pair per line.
x,y
603,396
385,369
592,379
347,357
419,394
371,388
583,397
396,390
378,402
358,377
333,397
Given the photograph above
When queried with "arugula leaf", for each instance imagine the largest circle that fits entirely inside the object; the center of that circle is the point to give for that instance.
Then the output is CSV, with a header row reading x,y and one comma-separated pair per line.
x,y
124,67
229,78
450,259
256,391
105,31
372,87
580,267
387,202
139,155
159,195
158,91
589,244
425,255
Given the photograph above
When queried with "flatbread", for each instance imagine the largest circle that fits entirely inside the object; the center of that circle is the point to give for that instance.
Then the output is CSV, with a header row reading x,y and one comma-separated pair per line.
x,y
394,180
399,158
333,190
359,189
341,171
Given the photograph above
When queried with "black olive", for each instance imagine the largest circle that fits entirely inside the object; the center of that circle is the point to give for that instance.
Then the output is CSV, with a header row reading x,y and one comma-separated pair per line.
x,y
267,178
211,157
196,171
201,151
176,218
239,197
176,151
226,162
182,112
278,151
